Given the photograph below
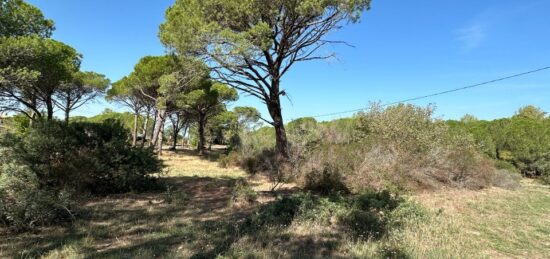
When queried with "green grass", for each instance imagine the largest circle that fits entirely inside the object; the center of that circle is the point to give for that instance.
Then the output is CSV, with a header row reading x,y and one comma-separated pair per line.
x,y
197,219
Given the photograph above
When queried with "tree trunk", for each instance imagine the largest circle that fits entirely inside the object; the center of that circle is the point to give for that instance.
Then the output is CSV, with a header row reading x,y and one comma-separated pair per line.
x,y
135,129
202,139
175,133
67,108
274,107
33,117
67,116
159,141
144,130
157,132
183,138
154,126
49,108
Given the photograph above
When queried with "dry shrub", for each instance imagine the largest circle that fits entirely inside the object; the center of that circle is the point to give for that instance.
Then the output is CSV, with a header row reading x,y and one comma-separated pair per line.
x,y
401,148
243,194
326,181
410,150
233,159
506,180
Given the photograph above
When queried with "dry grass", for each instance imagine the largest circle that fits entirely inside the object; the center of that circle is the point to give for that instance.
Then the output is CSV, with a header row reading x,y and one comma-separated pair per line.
x,y
494,222
195,219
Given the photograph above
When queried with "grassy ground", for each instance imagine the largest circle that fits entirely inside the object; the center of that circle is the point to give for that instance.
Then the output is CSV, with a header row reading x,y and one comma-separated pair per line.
x,y
196,218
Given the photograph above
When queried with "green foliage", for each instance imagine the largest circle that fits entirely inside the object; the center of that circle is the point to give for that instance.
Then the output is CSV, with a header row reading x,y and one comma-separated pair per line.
x,y
408,149
83,156
32,69
369,215
520,143
126,118
18,18
55,61
247,117
196,26
243,192
401,148
531,112
24,204
233,159
252,44
82,88
301,125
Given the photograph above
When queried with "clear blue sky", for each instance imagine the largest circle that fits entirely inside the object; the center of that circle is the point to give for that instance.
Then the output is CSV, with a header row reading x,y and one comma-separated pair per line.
x,y
402,49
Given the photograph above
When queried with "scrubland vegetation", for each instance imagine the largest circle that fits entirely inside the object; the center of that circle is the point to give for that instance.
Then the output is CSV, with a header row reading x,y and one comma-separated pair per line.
x,y
180,175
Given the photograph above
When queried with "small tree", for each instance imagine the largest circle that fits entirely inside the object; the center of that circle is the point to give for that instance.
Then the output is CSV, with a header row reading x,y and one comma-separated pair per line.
x,y
49,62
531,112
82,88
204,103
180,121
122,92
248,118
250,45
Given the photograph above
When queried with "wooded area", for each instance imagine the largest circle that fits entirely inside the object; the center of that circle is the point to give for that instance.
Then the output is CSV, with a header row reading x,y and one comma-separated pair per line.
x,y
182,173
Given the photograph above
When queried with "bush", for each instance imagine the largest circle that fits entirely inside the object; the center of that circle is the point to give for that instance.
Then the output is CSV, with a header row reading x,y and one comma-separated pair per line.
x,y
46,162
243,193
406,149
400,148
278,214
86,157
373,214
504,165
524,142
24,205
325,181
233,159
506,180
542,166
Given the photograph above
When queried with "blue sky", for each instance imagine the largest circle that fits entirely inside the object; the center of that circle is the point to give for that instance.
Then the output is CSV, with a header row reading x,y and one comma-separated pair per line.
x,y
402,49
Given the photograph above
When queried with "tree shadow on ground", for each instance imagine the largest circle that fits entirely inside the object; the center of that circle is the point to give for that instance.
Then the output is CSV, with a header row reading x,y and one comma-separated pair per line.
x,y
211,155
198,217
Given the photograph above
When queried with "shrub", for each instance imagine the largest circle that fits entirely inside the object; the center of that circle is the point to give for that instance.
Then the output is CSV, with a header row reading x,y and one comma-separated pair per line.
x,y
24,205
41,164
506,180
89,157
243,193
524,142
505,165
277,214
406,149
233,159
373,200
325,181
542,166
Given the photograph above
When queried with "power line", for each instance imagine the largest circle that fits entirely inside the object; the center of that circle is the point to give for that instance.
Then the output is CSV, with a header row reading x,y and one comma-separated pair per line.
x,y
438,93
